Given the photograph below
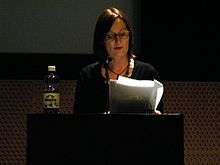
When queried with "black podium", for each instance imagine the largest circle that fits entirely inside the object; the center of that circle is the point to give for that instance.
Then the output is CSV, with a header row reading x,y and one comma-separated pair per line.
x,y
101,139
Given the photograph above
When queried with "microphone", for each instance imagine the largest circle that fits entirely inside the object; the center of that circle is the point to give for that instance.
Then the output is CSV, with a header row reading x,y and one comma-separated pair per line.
x,y
107,61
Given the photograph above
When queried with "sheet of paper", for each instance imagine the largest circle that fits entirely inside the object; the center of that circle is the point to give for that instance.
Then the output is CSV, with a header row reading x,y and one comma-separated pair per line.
x,y
140,90
159,87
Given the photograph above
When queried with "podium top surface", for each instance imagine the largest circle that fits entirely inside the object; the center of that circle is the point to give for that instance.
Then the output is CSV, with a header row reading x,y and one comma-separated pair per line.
x,y
102,115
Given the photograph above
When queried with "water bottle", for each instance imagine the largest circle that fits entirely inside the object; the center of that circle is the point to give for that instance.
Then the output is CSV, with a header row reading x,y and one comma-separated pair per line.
x,y
51,95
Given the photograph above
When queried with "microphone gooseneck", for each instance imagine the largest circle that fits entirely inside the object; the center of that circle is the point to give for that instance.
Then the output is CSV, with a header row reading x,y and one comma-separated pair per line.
x,y
106,63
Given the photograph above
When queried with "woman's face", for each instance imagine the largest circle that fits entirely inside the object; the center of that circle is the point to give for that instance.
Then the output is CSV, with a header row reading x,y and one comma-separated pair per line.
x,y
117,40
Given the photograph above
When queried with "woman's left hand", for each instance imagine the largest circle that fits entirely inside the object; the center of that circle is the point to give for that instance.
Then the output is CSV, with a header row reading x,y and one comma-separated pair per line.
x,y
156,112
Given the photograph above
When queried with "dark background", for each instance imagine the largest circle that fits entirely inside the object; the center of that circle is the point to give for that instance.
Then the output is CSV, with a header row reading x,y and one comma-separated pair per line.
x,y
181,39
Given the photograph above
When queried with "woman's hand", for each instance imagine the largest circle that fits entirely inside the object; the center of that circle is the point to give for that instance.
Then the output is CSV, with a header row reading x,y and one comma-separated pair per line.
x,y
156,112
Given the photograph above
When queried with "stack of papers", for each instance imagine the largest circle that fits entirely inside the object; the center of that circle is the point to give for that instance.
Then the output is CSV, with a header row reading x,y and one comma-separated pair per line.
x,y
134,96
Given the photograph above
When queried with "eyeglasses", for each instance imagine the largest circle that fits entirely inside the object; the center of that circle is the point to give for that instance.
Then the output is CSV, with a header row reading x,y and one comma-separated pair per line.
x,y
113,36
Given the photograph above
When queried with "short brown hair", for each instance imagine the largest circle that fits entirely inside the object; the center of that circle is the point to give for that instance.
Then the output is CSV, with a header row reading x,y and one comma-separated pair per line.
x,y
103,26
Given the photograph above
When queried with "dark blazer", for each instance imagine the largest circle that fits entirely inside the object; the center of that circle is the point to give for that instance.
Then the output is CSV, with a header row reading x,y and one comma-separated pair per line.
x,y
91,90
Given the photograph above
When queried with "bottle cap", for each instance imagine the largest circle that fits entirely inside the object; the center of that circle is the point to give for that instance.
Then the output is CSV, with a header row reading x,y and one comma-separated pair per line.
x,y
52,68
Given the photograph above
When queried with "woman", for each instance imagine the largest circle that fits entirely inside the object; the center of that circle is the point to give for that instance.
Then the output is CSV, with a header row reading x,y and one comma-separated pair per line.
x,y
112,45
